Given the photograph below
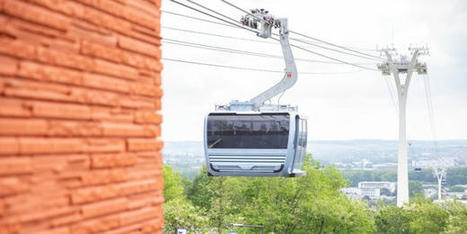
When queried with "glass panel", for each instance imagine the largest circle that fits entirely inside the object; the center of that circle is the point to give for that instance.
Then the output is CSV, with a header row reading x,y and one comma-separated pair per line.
x,y
262,131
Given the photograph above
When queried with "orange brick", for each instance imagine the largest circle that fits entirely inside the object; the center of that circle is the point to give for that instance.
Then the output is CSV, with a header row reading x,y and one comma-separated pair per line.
x,y
36,14
9,145
12,185
147,117
97,225
112,160
113,69
49,73
105,207
141,214
11,165
59,163
73,128
141,144
141,18
139,46
104,176
61,230
10,126
71,60
120,129
106,82
17,48
9,66
100,51
141,5
38,90
111,115
49,145
144,89
82,30
100,145
58,110
104,20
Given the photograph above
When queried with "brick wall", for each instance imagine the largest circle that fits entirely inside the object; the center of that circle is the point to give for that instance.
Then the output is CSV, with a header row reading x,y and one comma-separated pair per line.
x,y
79,128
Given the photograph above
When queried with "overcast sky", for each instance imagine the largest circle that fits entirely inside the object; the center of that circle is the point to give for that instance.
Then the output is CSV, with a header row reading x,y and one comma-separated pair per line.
x,y
353,105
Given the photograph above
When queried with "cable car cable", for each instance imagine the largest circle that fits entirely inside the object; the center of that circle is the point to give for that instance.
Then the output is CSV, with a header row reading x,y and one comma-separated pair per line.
x,y
205,13
216,35
304,49
235,51
252,69
247,39
303,35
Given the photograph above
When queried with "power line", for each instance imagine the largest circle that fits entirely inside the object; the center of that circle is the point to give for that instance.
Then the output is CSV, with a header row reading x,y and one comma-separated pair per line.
x,y
252,69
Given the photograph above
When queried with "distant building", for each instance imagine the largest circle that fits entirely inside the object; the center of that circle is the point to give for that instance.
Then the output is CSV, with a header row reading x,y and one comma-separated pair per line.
x,y
391,186
372,193
352,193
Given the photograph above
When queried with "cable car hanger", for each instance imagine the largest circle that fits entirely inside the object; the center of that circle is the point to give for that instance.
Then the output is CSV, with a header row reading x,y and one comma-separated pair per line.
x,y
251,138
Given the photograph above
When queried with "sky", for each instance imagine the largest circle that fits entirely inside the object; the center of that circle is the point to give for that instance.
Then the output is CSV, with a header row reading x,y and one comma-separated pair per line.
x,y
342,102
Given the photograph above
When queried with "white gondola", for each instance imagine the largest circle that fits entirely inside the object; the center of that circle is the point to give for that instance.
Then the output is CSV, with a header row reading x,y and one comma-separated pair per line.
x,y
251,138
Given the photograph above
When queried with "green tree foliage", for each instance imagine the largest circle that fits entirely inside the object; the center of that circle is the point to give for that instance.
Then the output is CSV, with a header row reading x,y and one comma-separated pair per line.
x,y
416,189
178,211
307,204
457,222
310,203
420,216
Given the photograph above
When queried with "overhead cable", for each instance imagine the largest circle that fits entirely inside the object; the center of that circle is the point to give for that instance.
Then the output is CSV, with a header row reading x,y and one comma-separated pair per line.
x,y
299,47
303,35
253,69
235,51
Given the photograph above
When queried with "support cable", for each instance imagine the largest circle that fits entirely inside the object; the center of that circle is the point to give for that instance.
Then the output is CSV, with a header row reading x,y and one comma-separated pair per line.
x,y
252,69
252,40
298,47
306,36
205,13
235,51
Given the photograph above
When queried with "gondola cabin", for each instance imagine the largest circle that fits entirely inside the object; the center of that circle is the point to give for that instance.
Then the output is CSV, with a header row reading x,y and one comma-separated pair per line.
x,y
255,143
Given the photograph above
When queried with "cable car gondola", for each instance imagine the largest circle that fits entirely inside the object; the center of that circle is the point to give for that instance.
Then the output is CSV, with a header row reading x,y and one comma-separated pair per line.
x,y
254,139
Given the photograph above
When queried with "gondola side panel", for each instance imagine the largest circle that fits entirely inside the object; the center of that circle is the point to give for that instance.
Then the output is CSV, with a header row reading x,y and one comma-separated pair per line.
x,y
80,95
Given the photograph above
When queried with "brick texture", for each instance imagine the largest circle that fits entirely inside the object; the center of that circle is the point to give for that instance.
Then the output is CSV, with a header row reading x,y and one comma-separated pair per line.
x,y
79,117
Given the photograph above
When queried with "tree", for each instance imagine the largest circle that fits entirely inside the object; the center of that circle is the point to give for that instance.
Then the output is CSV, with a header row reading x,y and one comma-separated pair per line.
x,y
416,189
173,187
178,211
457,221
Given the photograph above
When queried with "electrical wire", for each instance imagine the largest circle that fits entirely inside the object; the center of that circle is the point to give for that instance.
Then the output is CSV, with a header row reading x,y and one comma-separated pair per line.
x,y
252,69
